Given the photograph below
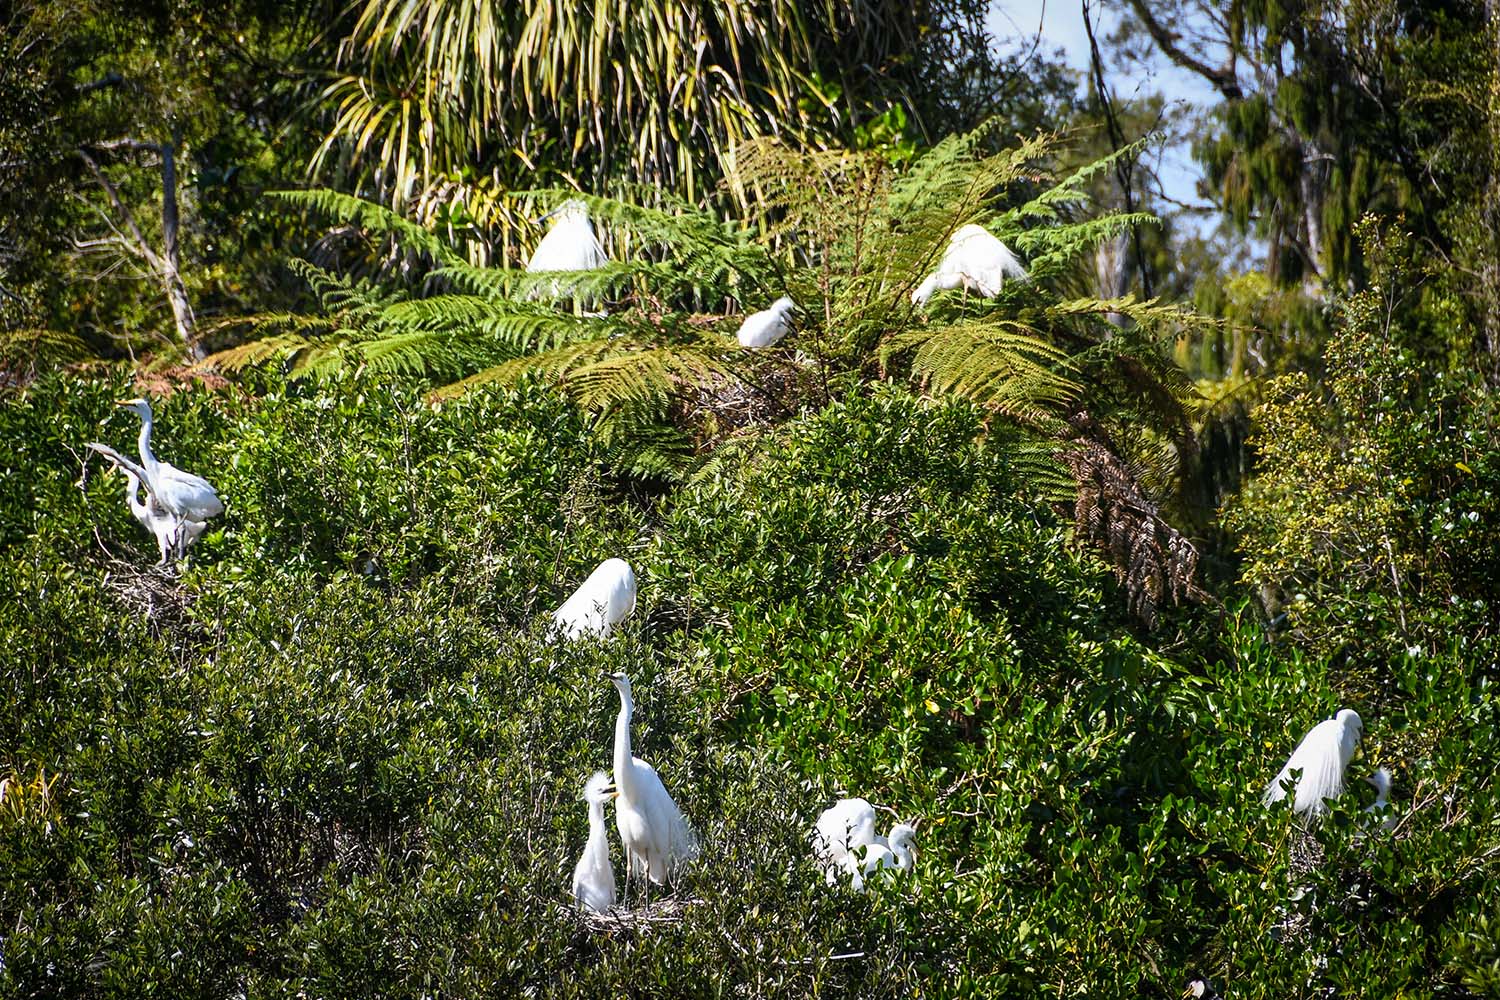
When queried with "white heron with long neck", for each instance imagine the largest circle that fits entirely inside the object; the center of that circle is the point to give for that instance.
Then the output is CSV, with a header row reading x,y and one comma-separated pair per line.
x,y
185,495
594,876
767,327
975,261
1320,759
653,831
600,603
173,534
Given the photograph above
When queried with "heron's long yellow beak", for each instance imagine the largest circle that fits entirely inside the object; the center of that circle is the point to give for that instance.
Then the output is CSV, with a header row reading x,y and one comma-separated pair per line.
x,y
129,402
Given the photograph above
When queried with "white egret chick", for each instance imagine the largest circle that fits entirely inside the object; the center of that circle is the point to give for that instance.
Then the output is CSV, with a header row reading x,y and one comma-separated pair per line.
x,y
975,260
653,831
570,245
600,603
765,328
843,827
185,495
884,857
1322,756
1381,779
594,876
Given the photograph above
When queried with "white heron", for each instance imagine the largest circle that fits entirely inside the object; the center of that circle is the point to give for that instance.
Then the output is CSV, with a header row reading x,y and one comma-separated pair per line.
x,y
1381,807
570,245
1321,757
975,260
594,876
653,831
885,856
185,495
173,534
600,603
765,328
842,827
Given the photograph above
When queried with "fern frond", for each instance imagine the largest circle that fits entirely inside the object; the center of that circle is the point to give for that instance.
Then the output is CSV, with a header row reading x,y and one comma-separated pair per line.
x,y
376,218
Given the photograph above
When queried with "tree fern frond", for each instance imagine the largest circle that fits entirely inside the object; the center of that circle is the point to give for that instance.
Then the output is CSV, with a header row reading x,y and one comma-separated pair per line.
x,y
376,218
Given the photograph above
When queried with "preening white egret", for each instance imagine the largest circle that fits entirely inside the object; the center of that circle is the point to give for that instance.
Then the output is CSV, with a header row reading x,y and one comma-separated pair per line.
x,y
1322,756
1381,779
603,601
653,831
885,857
570,245
187,496
842,827
173,534
975,260
765,328
594,876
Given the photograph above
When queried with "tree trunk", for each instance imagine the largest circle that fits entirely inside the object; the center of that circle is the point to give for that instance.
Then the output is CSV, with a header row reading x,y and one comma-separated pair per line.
x,y
171,261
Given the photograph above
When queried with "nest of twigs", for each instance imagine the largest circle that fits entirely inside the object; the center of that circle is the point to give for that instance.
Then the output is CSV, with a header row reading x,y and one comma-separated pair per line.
x,y
153,592
726,404
640,920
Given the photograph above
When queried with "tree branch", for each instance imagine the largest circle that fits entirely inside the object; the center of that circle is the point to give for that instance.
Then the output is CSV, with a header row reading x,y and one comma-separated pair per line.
x,y
119,206
1222,78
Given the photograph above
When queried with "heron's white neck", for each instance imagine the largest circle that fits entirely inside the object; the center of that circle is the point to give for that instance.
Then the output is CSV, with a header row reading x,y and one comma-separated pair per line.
x,y
901,848
597,830
133,496
147,459
624,778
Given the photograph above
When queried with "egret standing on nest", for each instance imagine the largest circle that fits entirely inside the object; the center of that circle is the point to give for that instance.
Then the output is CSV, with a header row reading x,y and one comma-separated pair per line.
x,y
765,328
570,245
185,495
1322,756
975,261
600,603
653,831
594,876
173,534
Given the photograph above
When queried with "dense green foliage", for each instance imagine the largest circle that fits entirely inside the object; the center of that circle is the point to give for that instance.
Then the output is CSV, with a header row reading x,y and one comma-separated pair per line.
x,y
339,756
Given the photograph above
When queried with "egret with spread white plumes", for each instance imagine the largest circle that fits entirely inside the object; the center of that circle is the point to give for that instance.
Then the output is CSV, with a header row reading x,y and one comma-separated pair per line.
x,y
653,831
600,603
570,245
1320,758
594,876
975,261
767,327
884,857
842,827
185,495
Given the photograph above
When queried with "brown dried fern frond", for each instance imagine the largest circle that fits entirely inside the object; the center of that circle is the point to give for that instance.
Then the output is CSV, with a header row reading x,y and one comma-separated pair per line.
x,y
1152,560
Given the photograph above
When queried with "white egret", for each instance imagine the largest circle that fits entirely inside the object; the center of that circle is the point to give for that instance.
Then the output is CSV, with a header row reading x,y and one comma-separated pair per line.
x,y
1200,989
975,260
1381,779
570,245
1322,756
653,831
841,828
600,603
886,856
187,496
173,534
594,876
765,328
